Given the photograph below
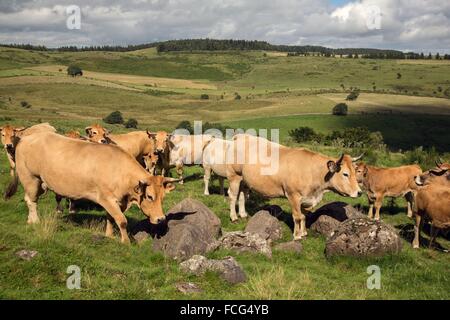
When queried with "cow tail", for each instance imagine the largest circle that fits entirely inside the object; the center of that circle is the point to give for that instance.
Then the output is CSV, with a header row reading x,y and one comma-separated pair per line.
x,y
12,187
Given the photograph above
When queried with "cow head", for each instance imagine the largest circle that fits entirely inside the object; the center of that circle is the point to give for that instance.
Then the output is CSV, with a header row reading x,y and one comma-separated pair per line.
x,y
341,176
161,140
150,194
96,133
150,161
438,175
361,170
9,135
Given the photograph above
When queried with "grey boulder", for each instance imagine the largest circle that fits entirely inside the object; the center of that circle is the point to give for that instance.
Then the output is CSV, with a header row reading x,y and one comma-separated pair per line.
x,y
265,225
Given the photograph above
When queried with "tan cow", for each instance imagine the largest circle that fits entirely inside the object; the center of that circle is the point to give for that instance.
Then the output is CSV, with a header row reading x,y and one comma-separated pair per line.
x,y
387,182
135,143
439,175
9,138
162,148
81,170
300,175
432,202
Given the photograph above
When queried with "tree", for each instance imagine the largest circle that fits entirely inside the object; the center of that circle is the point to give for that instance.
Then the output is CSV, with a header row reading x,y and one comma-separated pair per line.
x,y
204,96
74,71
399,75
341,109
114,118
131,123
352,96
304,134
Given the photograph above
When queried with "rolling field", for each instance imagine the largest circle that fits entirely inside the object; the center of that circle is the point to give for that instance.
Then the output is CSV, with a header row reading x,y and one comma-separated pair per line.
x,y
160,90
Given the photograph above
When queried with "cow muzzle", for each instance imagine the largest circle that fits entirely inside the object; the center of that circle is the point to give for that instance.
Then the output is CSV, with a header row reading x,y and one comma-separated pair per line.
x,y
418,180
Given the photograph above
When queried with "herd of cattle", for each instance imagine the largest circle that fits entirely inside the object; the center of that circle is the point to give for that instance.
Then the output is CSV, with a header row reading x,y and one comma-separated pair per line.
x,y
118,170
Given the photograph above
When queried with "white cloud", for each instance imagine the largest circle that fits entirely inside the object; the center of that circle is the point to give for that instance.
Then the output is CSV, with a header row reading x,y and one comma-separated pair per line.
x,y
405,24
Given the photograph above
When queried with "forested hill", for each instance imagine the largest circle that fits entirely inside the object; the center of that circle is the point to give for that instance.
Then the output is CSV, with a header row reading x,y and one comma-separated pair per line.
x,y
222,45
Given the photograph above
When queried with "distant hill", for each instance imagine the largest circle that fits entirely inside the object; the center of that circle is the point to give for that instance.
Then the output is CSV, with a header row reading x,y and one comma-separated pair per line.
x,y
223,45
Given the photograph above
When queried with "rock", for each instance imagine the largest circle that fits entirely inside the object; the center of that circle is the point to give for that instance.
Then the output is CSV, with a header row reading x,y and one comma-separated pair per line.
x,y
274,210
228,268
182,241
188,287
191,229
141,236
196,213
340,211
325,225
26,254
245,242
265,225
291,246
363,237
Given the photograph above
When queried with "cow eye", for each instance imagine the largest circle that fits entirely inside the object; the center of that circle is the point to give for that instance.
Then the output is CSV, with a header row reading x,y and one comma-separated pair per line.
x,y
345,174
149,198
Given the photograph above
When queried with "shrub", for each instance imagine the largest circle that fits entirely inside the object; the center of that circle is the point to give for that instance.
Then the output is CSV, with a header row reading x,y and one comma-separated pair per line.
x,y
352,96
74,71
25,104
304,134
131,123
204,97
114,118
424,157
341,109
358,137
185,125
237,96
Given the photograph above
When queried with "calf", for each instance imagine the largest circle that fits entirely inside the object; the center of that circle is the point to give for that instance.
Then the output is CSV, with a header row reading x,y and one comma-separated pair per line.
x,y
387,182
162,148
48,161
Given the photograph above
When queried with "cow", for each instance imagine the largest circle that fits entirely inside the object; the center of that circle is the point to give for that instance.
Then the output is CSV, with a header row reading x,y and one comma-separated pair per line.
x,y
300,175
432,202
78,169
134,143
9,138
387,182
162,148
439,175
187,150
215,160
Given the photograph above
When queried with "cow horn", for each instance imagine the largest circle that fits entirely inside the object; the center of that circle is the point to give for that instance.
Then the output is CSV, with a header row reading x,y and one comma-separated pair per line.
x,y
358,158
340,159
170,180
439,162
439,173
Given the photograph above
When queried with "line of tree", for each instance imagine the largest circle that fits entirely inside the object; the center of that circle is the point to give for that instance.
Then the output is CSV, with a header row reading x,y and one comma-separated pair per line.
x,y
225,45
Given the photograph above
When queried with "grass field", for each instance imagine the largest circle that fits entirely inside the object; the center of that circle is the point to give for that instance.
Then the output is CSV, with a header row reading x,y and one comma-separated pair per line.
x,y
276,92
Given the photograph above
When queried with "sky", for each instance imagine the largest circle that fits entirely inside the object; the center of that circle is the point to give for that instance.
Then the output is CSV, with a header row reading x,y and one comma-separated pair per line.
x,y
417,25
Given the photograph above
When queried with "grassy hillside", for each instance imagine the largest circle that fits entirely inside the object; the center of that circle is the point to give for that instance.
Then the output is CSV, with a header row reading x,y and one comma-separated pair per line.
x,y
160,90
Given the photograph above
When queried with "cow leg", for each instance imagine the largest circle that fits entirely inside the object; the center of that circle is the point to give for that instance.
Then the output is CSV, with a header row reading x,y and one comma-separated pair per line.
x,y
12,165
206,178
221,182
119,218
433,233
410,202
72,208
370,213
378,203
242,195
233,191
59,207
179,169
416,243
109,226
33,191
297,215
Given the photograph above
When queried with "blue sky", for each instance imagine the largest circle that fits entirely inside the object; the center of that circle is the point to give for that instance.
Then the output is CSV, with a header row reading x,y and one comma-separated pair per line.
x,y
338,3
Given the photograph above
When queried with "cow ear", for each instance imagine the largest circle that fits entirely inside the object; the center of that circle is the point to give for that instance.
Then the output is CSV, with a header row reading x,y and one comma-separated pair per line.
x,y
332,166
19,129
151,135
140,188
88,130
366,170
169,187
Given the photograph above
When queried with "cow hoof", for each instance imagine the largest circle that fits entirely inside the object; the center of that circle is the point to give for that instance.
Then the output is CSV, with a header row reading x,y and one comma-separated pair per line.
x,y
181,182
234,220
35,221
206,193
415,246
